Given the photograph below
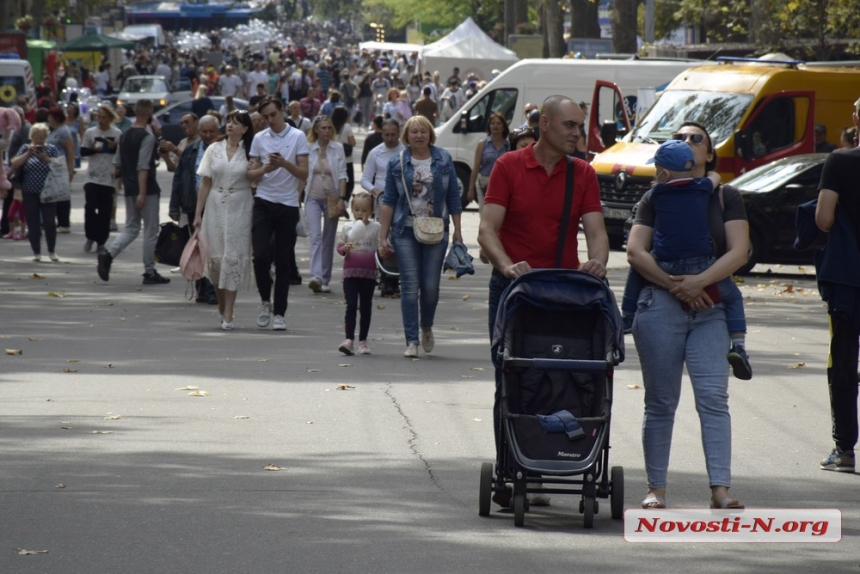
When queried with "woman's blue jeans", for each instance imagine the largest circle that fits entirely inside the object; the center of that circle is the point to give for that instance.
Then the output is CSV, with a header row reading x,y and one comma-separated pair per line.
x,y
667,338
420,275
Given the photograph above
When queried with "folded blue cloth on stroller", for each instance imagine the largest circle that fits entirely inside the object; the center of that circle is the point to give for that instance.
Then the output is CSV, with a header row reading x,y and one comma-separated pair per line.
x,y
562,421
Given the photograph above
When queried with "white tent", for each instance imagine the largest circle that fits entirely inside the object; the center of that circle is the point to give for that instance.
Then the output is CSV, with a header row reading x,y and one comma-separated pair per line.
x,y
467,47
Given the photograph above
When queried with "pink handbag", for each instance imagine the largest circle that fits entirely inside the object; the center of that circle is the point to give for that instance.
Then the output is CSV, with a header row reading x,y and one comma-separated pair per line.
x,y
191,262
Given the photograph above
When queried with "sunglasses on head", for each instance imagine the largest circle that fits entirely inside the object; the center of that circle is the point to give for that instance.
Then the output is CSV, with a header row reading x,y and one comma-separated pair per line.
x,y
696,139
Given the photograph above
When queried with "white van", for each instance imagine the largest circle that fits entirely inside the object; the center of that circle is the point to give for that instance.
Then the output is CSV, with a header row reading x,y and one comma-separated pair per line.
x,y
140,31
534,81
16,79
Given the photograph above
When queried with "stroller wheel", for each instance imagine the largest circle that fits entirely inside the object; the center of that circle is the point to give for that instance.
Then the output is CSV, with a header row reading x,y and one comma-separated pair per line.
x,y
617,496
519,509
486,492
589,506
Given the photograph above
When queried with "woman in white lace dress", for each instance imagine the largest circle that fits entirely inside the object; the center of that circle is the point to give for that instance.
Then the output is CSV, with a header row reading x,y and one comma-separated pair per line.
x,y
224,206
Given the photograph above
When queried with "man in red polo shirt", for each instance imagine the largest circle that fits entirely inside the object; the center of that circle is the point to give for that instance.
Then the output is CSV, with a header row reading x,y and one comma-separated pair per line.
x,y
521,220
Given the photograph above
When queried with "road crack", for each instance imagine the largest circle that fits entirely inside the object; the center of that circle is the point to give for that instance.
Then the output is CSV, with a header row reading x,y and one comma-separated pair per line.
x,y
412,443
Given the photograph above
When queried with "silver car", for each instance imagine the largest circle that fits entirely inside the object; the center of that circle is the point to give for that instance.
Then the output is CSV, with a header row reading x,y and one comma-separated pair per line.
x,y
136,88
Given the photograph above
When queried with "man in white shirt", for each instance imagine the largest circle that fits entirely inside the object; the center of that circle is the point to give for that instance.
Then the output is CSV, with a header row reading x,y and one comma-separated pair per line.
x,y
278,165
229,84
376,166
258,76
163,69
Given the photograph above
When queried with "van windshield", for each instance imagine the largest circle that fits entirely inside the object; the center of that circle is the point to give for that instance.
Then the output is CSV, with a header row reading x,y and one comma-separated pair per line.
x,y
10,88
719,112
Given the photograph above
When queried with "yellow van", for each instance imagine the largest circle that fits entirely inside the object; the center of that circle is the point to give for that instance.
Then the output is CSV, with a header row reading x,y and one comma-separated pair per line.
x,y
755,111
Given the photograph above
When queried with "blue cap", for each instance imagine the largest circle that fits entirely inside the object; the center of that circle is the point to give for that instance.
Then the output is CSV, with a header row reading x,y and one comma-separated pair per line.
x,y
674,155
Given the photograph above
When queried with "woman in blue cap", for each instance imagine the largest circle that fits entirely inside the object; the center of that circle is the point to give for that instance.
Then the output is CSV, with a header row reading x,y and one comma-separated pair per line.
x,y
681,319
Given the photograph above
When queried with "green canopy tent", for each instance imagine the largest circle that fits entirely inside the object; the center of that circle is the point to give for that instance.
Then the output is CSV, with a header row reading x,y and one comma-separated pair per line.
x,y
36,50
95,43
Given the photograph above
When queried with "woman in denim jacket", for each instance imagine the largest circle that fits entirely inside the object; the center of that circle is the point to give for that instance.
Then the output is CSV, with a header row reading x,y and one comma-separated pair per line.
x,y
431,181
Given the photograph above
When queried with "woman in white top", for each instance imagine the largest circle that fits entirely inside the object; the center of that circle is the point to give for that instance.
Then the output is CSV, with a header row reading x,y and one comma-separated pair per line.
x,y
223,214
344,135
99,146
324,194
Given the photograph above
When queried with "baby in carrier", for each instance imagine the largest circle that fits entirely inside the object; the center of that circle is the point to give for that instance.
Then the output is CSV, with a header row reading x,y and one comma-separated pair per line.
x,y
682,242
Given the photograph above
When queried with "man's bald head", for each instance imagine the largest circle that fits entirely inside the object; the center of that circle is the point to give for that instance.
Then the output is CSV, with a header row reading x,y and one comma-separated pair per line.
x,y
553,104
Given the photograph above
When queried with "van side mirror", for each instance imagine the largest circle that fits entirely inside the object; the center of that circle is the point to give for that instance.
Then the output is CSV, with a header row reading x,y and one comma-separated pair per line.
x,y
463,125
743,145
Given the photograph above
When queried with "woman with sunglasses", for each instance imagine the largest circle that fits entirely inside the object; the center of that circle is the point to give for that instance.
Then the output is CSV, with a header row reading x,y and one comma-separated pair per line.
x,y
224,213
677,324
324,194
487,152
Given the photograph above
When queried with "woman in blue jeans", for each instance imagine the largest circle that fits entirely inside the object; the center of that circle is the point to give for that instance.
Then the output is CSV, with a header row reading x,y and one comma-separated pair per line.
x,y
419,181
677,324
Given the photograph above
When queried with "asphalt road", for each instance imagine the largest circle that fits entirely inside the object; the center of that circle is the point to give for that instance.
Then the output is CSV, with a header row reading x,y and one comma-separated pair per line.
x,y
109,467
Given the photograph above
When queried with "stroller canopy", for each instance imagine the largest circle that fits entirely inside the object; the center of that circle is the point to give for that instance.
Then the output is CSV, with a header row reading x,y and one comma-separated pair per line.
x,y
561,290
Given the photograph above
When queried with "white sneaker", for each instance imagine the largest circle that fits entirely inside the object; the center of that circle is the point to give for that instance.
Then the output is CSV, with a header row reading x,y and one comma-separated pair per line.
x,y
265,315
325,289
411,351
225,326
279,324
427,341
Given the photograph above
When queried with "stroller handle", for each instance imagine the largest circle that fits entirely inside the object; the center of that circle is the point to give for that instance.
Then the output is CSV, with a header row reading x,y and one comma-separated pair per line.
x,y
559,364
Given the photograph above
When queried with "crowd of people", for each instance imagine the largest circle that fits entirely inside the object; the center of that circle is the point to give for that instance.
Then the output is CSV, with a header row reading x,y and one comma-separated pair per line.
x,y
248,181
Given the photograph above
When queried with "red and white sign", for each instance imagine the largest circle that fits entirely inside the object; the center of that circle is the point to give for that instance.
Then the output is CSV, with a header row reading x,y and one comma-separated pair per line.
x,y
746,525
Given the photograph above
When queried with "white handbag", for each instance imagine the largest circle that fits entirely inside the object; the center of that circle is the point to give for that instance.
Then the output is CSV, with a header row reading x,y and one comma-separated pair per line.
x,y
56,186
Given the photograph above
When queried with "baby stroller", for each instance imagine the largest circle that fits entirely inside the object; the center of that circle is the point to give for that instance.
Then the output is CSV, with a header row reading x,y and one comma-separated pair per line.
x,y
558,338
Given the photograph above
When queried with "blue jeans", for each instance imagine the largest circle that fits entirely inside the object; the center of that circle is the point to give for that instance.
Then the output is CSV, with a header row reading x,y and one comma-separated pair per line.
x,y
729,292
420,270
667,338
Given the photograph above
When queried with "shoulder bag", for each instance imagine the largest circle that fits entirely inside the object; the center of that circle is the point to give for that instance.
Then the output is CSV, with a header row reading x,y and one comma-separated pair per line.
x,y
565,212
56,187
428,230
191,262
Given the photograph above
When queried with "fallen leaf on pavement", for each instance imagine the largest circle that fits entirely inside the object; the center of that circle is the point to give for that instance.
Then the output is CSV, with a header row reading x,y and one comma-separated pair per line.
x,y
271,466
455,328
112,417
72,361
34,339
36,276
14,352
632,386
101,432
198,394
798,366
24,552
61,485
313,370
68,370
109,366
477,368
344,365
343,387
241,417
789,289
380,307
188,388
477,420
262,360
466,297
55,294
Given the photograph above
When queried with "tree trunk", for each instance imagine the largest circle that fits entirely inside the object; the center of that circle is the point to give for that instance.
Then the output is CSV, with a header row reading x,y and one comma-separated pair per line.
x,y
583,19
521,13
624,26
554,29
